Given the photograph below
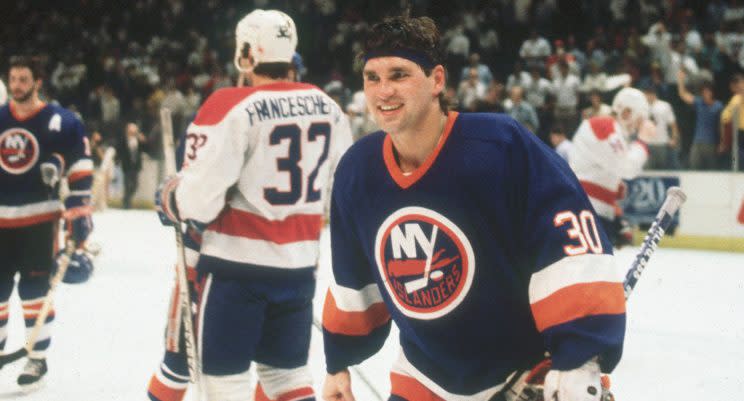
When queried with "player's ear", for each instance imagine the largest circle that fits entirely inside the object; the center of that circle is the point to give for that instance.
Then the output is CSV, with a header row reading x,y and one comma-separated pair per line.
x,y
440,79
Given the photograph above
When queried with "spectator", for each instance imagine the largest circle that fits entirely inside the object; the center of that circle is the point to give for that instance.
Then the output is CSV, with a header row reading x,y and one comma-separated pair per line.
x,y
733,117
361,121
519,77
659,41
96,148
597,80
566,90
680,60
534,50
470,91
562,145
484,73
656,80
491,102
552,62
110,111
595,53
576,53
705,143
521,110
537,88
129,151
663,144
596,108
457,49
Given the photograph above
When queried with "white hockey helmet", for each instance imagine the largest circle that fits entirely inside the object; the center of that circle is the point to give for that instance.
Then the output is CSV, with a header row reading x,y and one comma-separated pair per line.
x,y
271,37
634,100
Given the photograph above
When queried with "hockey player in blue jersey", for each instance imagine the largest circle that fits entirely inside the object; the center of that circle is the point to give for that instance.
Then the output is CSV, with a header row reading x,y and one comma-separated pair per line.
x,y
470,234
39,144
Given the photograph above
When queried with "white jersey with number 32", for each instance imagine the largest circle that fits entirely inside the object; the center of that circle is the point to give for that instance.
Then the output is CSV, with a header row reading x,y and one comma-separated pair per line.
x,y
257,168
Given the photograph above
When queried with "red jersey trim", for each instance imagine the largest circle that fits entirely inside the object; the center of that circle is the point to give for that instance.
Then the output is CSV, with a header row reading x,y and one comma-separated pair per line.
x,y
162,392
296,395
79,175
11,106
570,303
741,213
602,127
294,228
405,181
408,388
29,220
599,192
347,323
214,110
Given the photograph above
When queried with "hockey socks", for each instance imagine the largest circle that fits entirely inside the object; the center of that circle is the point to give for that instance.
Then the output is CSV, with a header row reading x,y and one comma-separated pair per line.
x,y
166,385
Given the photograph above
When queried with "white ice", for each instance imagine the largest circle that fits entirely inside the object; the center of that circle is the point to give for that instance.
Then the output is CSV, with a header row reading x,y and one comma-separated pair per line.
x,y
685,338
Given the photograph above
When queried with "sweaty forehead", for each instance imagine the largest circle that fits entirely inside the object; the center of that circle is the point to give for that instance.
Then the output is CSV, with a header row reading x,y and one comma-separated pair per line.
x,y
381,65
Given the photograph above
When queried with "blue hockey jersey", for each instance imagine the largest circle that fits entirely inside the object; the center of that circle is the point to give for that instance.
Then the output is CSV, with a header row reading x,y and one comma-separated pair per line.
x,y
51,134
486,256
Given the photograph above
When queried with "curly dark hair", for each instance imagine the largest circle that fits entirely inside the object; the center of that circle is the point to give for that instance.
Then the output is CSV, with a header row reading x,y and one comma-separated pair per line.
x,y
31,62
418,35
406,33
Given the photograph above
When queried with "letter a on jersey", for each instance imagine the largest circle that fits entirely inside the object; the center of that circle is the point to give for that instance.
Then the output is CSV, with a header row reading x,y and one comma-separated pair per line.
x,y
426,262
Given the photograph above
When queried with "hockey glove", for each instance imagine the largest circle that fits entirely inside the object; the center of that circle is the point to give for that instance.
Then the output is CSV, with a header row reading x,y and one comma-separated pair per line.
x,y
49,173
165,201
78,221
51,170
580,384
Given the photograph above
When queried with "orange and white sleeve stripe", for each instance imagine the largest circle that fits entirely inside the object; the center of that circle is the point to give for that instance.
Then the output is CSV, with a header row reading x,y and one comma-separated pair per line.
x,y
576,287
354,312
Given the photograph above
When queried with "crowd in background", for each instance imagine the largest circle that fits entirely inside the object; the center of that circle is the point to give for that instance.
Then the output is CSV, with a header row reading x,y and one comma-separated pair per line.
x,y
548,63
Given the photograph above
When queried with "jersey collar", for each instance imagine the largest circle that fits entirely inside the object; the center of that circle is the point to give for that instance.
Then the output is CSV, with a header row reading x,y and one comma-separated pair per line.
x,y
405,181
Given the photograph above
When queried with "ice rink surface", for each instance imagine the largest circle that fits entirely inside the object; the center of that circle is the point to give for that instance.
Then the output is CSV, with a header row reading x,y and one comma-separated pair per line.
x,y
685,338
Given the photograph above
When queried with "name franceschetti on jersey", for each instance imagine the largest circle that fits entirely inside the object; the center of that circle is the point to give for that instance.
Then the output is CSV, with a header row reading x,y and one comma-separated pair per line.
x,y
287,106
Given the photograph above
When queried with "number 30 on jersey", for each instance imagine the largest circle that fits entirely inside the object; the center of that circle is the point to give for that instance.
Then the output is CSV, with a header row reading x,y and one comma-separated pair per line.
x,y
581,229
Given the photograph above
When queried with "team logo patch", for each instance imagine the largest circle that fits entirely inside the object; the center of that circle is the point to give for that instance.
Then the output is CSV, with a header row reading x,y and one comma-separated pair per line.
x,y
426,262
19,150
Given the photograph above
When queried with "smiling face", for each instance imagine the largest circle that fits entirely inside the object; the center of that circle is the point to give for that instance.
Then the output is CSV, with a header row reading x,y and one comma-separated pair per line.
x,y
399,94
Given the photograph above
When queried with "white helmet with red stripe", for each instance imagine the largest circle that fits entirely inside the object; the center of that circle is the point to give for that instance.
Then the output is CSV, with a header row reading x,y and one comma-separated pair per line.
x,y
631,108
265,36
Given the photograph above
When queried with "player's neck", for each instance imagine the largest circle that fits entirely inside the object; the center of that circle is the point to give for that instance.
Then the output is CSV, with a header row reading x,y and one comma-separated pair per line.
x,y
258,80
27,108
413,147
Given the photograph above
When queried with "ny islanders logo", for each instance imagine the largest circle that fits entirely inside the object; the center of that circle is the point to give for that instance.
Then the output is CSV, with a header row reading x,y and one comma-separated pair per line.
x,y
19,150
426,262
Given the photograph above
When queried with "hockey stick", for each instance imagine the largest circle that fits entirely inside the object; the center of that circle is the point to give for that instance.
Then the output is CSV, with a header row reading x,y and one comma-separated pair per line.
x,y
356,371
675,197
419,283
64,262
184,294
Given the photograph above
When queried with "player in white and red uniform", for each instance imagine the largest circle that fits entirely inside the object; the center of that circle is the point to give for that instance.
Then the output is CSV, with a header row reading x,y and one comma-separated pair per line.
x,y
603,156
3,93
258,164
39,144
